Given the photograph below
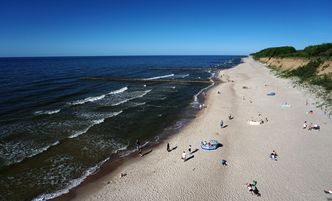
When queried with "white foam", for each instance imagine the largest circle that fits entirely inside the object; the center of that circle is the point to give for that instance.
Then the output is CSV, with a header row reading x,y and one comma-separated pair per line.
x,y
182,75
96,98
94,122
139,104
41,112
34,153
72,184
195,102
126,100
89,99
122,148
123,89
133,150
158,77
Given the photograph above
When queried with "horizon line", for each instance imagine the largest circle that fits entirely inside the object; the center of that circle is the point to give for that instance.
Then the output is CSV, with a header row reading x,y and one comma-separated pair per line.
x,y
138,55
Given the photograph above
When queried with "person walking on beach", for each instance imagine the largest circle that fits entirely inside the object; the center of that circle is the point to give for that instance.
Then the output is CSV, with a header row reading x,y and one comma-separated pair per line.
x,y
138,145
224,162
184,156
305,125
139,148
189,149
168,149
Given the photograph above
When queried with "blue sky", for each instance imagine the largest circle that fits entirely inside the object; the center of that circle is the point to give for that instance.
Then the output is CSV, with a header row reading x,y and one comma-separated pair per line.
x,y
142,27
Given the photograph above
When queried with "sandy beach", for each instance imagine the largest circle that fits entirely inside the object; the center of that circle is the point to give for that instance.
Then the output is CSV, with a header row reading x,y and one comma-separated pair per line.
x,y
302,171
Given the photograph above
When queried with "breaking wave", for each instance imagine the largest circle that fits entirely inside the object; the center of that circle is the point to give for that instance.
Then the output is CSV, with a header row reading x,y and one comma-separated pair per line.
x,y
158,77
94,122
96,98
72,184
41,112
123,89
126,100
32,154
89,99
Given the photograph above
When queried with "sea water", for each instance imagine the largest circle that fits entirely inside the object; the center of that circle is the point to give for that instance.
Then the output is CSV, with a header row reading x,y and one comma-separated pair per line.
x,y
56,129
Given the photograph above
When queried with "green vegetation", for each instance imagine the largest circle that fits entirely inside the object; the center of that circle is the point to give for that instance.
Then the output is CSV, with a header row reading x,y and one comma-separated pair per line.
x,y
308,73
274,52
323,81
323,51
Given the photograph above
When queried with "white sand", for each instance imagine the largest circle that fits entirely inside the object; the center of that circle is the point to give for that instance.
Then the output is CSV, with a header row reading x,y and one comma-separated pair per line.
x,y
303,171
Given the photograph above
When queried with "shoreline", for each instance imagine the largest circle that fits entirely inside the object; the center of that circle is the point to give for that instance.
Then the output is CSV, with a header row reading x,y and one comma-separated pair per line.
x,y
162,175
110,167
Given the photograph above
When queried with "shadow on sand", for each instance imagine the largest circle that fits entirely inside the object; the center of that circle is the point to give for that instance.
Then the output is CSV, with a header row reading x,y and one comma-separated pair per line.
x,y
190,157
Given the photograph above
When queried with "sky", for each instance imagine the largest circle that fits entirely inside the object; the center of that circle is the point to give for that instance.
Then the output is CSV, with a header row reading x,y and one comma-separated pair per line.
x,y
152,27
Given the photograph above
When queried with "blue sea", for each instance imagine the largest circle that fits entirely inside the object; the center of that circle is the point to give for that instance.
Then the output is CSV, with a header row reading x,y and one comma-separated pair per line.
x,y
56,129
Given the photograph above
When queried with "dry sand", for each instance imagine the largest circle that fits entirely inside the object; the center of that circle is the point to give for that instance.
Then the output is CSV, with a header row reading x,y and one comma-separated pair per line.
x,y
302,172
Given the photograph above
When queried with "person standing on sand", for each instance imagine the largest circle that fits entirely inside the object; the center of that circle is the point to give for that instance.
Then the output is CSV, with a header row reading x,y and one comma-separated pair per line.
x,y
184,156
305,125
189,149
168,149
138,145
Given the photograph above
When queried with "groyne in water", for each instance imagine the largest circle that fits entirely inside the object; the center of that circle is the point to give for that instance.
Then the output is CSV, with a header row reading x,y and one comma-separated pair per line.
x,y
126,79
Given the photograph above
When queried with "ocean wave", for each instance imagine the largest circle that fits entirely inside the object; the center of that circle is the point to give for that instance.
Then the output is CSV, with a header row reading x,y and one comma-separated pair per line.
x,y
93,122
126,100
88,99
41,112
158,77
72,184
195,102
123,148
181,75
139,104
32,154
128,152
123,89
96,98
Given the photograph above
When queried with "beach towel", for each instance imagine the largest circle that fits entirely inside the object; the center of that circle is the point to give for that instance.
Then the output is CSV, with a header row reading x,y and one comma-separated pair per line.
x,y
254,123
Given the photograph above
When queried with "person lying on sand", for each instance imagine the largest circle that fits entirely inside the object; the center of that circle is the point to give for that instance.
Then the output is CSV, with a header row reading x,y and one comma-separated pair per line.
x,y
253,189
314,126
250,188
328,191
